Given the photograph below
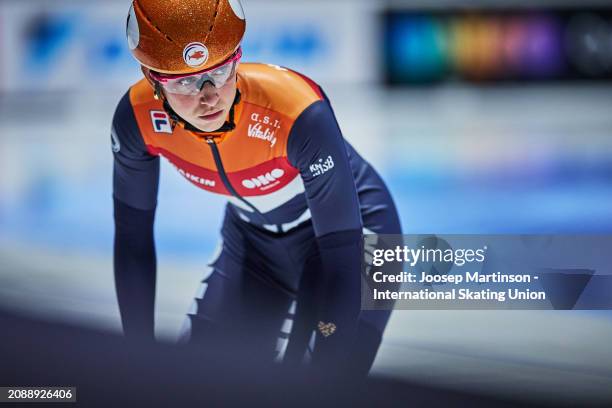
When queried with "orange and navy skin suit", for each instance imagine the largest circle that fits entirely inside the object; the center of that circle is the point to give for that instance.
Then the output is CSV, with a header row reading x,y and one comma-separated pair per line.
x,y
299,198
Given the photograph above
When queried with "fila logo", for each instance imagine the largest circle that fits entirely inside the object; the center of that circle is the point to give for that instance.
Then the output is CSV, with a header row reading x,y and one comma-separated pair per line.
x,y
264,179
161,122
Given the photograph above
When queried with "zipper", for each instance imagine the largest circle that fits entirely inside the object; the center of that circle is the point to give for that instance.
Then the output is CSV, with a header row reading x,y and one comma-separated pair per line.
x,y
228,185
217,156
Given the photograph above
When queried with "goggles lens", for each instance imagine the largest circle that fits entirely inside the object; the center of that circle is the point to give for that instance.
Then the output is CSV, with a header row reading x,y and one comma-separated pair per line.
x,y
191,84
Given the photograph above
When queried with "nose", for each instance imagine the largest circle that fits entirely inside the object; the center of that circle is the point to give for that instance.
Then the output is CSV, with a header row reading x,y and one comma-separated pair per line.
x,y
209,95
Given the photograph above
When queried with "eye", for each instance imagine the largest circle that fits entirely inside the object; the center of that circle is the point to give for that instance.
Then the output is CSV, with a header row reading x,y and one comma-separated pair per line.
x,y
186,81
220,71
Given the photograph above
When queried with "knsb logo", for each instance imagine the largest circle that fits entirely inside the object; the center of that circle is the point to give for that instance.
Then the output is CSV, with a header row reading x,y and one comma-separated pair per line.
x,y
264,180
195,54
322,167
161,122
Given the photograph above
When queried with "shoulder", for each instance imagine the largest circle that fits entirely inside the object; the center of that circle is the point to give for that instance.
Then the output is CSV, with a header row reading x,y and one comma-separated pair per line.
x,y
141,93
126,133
139,114
137,95
280,89
138,99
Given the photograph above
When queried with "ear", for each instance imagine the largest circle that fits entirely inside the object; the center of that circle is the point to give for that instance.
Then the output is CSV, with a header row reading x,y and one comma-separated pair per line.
x,y
157,92
147,74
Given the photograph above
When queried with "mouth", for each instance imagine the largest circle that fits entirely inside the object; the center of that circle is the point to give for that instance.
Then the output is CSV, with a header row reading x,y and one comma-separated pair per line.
x,y
211,116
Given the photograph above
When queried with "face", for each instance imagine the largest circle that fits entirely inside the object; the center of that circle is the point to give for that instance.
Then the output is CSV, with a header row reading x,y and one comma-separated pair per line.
x,y
208,109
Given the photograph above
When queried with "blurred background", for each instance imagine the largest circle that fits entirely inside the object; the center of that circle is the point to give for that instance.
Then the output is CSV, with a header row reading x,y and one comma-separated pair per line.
x,y
482,116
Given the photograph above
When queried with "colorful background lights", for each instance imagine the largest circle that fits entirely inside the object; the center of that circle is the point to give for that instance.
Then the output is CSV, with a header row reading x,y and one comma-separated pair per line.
x,y
497,46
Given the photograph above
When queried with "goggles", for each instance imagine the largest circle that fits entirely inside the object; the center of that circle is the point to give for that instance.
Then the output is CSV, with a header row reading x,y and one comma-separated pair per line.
x,y
191,84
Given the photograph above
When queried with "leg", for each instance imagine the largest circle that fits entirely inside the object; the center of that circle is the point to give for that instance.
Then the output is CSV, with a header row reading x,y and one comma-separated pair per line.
x,y
238,311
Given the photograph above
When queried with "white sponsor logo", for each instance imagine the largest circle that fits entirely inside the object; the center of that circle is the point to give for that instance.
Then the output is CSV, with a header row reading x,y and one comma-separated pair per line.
x,y
322,167
264,180
196,179
256,130
116,146
161,122
195,54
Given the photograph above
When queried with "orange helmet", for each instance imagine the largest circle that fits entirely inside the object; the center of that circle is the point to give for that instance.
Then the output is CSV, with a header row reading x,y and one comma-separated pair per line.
x,y
184,36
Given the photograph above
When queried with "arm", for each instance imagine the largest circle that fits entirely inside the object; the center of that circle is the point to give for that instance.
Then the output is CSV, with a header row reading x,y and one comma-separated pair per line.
x,y
316,147
135,184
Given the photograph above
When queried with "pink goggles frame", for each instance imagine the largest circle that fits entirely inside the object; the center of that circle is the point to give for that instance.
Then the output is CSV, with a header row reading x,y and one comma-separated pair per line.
x,y
167,78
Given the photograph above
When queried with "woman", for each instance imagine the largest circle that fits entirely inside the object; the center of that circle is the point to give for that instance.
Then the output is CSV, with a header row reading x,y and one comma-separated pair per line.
x,y
299,195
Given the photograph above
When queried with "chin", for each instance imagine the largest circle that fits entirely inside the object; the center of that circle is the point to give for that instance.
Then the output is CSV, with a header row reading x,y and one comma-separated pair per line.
x,y
209,126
